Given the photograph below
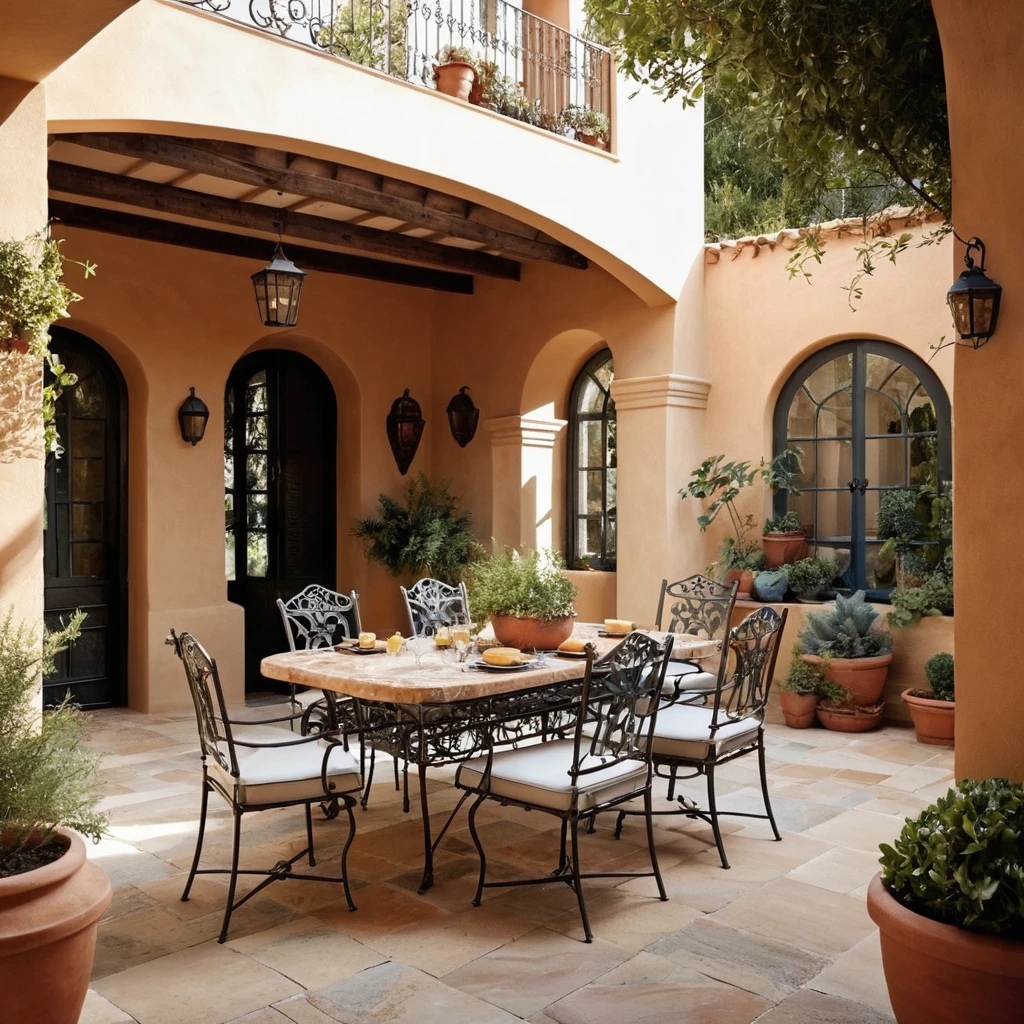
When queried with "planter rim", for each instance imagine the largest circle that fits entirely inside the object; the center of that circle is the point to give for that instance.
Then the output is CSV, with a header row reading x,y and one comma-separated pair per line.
x,y
455,64
531,618
927,702
984,953
777,534
852,664
49,874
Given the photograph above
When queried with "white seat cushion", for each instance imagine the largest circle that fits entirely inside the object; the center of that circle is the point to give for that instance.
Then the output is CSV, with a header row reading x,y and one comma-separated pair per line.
x,y
684,730
698,681
539,775
272,775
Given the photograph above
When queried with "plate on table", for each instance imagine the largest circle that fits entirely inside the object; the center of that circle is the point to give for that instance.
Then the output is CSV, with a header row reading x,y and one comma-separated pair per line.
x,y
352,647
613,636
483,666
570,654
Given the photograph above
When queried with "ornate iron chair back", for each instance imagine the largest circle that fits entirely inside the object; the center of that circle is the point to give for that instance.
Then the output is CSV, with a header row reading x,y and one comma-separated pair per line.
x,y
431,603
619,705
318,617
698,606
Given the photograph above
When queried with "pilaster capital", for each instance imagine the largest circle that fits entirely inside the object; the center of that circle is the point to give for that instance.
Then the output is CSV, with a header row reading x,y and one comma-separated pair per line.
x,y
524,431
660,391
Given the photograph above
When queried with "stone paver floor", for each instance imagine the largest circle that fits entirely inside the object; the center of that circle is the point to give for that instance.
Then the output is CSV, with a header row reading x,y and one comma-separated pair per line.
x,y
781,938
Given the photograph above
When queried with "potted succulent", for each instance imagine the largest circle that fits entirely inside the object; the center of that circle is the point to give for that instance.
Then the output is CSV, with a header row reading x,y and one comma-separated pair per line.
x,y
455,72
859,655
527,597
770,585
784,540
934,710
798,694
949,905
809,576
589,126
839,711
51,897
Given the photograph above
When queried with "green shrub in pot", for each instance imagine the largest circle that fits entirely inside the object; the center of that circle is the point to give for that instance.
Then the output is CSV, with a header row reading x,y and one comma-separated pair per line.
x,y
809,576
846,631
939,671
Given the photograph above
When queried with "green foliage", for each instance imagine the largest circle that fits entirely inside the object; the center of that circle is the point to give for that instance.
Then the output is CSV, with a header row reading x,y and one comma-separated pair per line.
x,y
802,679
789,523
372,35
932,596
742,555
586,120
961,861
846,631
832,694
451,54
809,576
528,584
939,670
47,774
425,536
898,514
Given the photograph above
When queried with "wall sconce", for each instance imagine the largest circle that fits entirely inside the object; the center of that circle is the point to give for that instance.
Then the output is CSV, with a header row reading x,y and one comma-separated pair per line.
x,y
278,290
192,417
463,417
405,428
974,300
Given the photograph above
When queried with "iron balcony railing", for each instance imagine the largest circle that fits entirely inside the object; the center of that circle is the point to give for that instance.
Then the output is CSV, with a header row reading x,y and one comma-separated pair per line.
x,y
529,68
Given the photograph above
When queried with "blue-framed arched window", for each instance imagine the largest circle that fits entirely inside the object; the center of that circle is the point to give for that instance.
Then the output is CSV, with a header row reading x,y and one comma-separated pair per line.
x,y
591,466
869,416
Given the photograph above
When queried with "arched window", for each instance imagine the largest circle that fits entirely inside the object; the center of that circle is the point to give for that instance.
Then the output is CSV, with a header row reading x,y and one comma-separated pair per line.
x,y
591,466
870,416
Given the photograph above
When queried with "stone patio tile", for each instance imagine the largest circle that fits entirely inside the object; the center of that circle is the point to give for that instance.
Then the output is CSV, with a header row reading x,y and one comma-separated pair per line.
x,y
127,900
760,965
898,751
539,903
98,1010
448,869
310,953
845,757
526,975
382,909
207,984
800,915
892,801
910,780
539,852
864,778
755,859
791,814
802,771
857,975
809,1007
859,830
268,1015
299,1010
126,865
392,993
840,870
706,892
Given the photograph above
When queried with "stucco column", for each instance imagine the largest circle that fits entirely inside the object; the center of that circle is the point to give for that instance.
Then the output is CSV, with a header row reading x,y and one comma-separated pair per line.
x,y
523,480
660,437
984,67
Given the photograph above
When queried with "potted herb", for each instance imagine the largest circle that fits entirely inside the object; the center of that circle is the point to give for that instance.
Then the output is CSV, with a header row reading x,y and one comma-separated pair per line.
x,y
455,72
589,126
798,693
858,654
839,711
527,597
934,710
51,897
949,905
810,576
784,540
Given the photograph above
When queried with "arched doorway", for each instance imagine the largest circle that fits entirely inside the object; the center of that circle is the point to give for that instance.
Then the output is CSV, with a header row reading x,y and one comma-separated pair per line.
x,y
280,430
84,540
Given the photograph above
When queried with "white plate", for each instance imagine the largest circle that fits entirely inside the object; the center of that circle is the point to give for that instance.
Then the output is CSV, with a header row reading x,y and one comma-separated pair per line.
x,y
485,667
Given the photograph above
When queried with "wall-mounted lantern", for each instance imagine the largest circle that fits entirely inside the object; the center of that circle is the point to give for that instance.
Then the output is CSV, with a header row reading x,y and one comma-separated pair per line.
x,y
405,428
278,290
974,300
192,417
463,417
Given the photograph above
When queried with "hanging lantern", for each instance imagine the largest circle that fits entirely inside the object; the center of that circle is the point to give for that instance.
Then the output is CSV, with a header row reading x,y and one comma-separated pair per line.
x,y
463,417
192,417
278,289
405,428
974,300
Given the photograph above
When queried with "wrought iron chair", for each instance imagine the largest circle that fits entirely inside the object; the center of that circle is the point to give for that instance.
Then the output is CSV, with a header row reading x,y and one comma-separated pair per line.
x,y
700,738
431,603
256,767
607,762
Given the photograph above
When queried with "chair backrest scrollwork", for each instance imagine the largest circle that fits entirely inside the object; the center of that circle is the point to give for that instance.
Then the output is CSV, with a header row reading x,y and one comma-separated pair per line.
x,y
697,605
318,617
431,603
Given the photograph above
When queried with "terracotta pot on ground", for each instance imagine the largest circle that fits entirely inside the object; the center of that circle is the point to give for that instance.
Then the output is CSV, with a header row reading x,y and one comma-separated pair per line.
x,y
532,634
863,677
943,974
455,79
850,719
746,578
933,719
783,548
48,920
798,708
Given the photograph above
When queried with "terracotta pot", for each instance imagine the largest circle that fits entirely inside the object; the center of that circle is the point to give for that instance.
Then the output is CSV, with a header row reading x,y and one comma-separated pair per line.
x,y
455,79
532,634
798,709
17,344
783,548
863,677
48,920
746,578
940,974
933,719
852,719
589,139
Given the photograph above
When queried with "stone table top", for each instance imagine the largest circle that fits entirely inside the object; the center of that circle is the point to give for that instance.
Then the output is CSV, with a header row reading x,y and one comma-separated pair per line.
x,y
396,679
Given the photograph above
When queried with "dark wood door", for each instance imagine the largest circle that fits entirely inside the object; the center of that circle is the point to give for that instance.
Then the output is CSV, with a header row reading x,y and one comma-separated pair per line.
x,y
280,427
84,559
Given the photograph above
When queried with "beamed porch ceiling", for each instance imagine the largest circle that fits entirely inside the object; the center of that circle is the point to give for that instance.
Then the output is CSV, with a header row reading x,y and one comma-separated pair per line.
x,y
231,198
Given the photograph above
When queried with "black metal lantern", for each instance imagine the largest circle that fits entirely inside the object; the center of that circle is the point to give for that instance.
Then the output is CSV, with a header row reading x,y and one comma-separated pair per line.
x,y
192,417
405,428
974,300
278,289
463,417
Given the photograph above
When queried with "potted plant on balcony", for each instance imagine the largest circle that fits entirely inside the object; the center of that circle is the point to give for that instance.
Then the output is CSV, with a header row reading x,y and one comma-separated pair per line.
x,y
527,597
934,710
859,655
949,905
810,576
51,897
798,693
589,126
784,540
455,72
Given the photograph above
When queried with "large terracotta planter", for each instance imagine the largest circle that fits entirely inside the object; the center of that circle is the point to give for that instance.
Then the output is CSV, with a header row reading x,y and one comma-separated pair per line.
x,y
863,677
933,719
48,920
532,634
783,548
798,708
939,974
455,79
850,719
746,581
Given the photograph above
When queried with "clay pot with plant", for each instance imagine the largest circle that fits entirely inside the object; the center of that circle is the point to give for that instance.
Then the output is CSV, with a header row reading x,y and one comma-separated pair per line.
x,y
784,540
839,711
455,72
808,577
949,905
934,710
798,694
51,897
588,126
